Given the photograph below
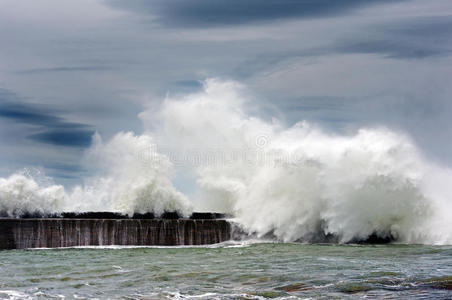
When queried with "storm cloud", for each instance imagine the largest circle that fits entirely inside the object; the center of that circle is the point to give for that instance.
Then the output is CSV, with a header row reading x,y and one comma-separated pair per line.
x,y
72,68
52,129
200,13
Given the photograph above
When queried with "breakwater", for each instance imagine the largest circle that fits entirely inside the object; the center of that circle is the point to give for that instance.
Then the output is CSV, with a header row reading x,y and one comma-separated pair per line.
x,y
102,229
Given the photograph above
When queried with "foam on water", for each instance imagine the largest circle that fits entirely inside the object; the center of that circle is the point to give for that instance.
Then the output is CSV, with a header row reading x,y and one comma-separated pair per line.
x,y
293,182
14,295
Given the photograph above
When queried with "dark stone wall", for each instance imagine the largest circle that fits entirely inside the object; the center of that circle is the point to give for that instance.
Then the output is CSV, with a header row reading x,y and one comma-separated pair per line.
x,y
62,232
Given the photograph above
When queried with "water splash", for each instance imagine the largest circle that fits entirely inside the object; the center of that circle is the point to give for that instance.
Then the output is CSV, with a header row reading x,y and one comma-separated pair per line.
x,y
124,182
21,193
121,183
298,182
294,183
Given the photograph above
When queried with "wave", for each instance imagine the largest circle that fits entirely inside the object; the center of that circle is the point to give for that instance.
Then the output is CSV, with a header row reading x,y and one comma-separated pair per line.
x,y
121,182
292,182
298,182
20,193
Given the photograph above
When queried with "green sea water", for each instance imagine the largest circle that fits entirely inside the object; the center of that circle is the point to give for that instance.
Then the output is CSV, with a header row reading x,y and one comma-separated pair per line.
x,y
229,271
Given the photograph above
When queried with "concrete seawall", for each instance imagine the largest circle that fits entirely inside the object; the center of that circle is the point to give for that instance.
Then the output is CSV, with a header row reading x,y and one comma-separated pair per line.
x,y
20,233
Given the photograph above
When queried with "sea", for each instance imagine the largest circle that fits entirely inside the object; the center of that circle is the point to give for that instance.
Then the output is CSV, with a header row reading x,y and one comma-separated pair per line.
x,y
232,270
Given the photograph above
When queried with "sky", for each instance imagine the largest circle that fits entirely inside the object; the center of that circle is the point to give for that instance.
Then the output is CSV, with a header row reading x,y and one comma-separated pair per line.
x,y
69,69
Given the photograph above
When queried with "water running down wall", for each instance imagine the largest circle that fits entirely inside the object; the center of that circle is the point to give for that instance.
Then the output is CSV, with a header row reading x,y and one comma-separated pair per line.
x,y
64,232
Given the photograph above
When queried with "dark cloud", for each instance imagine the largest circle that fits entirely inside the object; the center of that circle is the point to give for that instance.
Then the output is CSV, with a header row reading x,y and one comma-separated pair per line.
x,y
59,166
189,83
23,114
71,138
432,28
64,176
413,38
53,129
65,69
394,49
317,104
333,113
65,172
200,13
32,114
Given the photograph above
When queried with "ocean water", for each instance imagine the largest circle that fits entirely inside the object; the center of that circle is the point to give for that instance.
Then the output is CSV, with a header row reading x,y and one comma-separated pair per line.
x,y
229,271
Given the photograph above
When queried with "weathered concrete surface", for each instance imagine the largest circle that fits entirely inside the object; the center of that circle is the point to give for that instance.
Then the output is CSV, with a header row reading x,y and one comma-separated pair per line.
x,y
68,232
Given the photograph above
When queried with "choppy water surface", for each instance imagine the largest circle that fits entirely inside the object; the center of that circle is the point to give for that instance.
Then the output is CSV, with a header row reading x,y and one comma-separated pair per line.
x,y
254,271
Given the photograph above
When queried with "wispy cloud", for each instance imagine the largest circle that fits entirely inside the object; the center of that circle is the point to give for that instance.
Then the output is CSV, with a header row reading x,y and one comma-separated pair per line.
x,y
52,128
71,138
418,37
201,13
65,69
